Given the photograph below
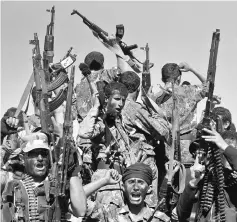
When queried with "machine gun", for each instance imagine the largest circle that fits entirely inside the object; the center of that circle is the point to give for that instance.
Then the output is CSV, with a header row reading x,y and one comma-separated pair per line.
x,y
127,50
208,154
146,76
48,53
200,144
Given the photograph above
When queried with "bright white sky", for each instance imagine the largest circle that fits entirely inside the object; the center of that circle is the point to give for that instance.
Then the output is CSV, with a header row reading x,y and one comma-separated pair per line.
x,y
175,31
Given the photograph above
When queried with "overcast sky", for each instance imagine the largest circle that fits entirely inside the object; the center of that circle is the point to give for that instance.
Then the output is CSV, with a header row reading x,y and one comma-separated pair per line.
x,y
175,31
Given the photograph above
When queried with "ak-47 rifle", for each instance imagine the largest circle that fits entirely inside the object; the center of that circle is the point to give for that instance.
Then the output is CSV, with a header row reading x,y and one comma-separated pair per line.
x,y
207,153
48,53
127,50
41,90
146,76
61,96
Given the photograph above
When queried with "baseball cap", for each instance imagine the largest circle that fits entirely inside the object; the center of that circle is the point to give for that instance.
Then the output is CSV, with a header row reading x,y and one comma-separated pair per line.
x,y
35,141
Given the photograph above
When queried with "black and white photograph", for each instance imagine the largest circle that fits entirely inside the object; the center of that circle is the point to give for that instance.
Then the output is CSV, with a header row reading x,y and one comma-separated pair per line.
x,y
118,111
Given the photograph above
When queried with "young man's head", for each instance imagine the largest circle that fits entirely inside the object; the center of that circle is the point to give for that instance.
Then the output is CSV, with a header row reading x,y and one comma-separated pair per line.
x,y
170,72
115,96
230,138
225,116
36,158
132,81
95,60
137,180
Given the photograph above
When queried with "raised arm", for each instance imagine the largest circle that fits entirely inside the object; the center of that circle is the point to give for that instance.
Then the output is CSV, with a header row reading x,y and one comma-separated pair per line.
x,y
77,196
185,67
111,177
91,127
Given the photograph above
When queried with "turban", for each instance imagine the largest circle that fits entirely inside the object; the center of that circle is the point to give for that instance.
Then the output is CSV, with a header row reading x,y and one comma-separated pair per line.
x,y
138,170
94,56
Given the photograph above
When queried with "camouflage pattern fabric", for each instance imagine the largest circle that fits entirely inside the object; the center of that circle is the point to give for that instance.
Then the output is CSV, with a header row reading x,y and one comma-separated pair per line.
x,y
83,93
115,212
138,120
187,98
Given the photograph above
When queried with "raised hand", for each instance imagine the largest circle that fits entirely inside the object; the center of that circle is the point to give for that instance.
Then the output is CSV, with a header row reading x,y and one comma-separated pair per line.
x,y
216,138
112,177
184,67
176,167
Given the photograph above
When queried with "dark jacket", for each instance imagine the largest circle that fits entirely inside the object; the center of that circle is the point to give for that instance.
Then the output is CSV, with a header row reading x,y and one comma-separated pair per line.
x,y
187,198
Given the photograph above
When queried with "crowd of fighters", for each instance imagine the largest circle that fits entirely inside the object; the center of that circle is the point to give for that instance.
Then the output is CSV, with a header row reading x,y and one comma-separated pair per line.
x,y
118,167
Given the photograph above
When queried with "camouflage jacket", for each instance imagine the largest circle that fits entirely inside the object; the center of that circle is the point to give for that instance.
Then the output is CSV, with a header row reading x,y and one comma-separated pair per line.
x,y
110,139
83,92
115,212
140,123
187,98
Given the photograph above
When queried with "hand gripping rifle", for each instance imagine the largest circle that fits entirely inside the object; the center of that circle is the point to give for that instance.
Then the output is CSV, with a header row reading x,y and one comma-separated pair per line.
x,y
212,189
146,76
59,180
127,50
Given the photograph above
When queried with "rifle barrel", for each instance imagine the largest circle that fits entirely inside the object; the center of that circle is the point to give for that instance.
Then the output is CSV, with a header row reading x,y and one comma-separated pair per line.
x,y
78,13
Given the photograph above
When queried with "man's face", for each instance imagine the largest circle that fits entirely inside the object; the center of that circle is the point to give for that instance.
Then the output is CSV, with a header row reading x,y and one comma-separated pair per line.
x,y
135,190
115,103
231,143
37,162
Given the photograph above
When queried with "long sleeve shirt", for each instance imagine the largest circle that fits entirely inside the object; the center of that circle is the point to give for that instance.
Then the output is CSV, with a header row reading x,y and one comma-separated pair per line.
x,y
187,198
138,120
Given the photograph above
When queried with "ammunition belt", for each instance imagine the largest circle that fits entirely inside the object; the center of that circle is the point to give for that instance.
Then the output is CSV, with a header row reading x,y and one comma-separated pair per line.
x,y
32,199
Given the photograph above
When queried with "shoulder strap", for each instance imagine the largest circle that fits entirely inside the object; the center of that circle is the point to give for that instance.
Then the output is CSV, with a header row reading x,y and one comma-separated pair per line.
x,y
163,98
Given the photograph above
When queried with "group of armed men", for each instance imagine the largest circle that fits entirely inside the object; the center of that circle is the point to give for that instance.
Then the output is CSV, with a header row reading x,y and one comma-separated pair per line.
x,y
117,149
